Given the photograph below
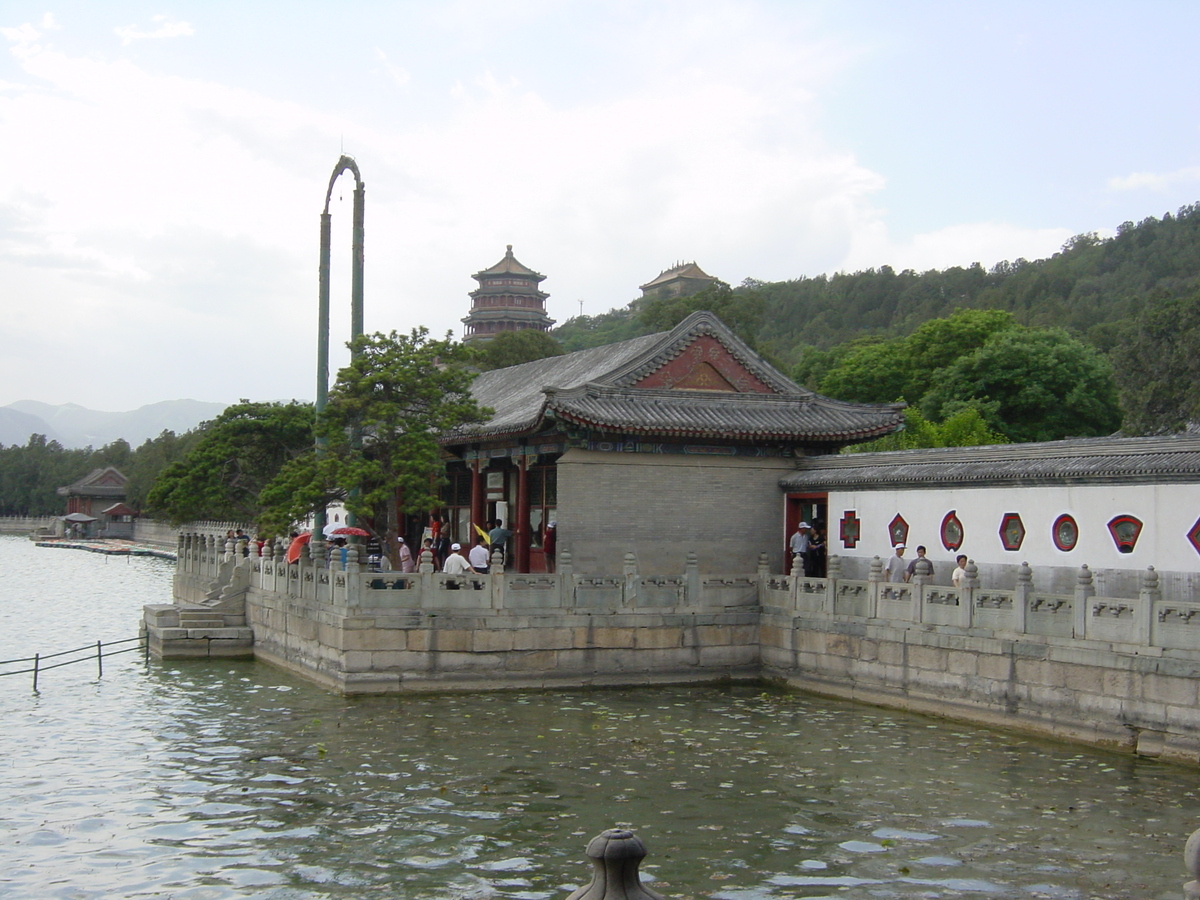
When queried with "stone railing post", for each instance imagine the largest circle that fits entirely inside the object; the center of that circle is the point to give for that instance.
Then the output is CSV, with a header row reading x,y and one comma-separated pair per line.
x,y
566,578
797,568
425,562
875,586
833,574
631,579
1149,594
1022,597
1191,859
496,584
1084,590
691,578
922,572
616,855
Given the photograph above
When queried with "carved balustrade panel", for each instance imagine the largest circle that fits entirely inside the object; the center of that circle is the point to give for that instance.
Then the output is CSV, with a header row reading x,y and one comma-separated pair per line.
x,y
1176,626
661,592
1051,615
730,590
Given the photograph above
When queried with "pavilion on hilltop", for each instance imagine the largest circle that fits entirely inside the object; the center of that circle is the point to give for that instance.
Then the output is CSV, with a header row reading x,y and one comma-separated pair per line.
x,y
681,280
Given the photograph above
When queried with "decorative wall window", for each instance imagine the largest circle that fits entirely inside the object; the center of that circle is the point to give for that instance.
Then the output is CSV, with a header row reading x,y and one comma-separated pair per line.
x,y
850,529
1012,531
898,530
952,531
1194,536
1125,531
1065,533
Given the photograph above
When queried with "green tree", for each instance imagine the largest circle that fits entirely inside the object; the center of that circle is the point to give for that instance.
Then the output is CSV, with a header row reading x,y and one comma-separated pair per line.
x,y
966,428
741,310
400,392
1157,365
873,371
511,348
234,457
1033,384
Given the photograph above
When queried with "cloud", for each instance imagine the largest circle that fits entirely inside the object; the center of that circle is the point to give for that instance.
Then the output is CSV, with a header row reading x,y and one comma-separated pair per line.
x,y
1154,181
956,245
166,29
399,76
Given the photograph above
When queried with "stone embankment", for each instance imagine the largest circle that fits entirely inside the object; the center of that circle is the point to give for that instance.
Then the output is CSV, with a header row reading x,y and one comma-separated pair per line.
x,y
1115,671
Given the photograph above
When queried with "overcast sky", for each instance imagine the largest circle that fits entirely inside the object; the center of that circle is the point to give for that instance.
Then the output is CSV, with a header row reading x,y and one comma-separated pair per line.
x,y
163,165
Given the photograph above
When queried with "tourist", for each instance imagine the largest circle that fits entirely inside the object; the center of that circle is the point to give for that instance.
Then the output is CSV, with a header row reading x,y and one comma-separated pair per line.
x,y
960,572
441,542
456,564
406,558
896,570
549,544
498,537
479,555
339,544
799,544
814,560
912,566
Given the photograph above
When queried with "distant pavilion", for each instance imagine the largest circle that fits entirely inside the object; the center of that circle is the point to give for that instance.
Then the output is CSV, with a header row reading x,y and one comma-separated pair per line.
x,y
508,299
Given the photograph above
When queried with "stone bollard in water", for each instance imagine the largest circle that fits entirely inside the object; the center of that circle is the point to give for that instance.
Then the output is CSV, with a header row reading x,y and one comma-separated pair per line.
x,y
615,855
1191,859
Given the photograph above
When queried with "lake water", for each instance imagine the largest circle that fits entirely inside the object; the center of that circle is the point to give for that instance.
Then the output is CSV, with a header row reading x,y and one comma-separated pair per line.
x,y
206,780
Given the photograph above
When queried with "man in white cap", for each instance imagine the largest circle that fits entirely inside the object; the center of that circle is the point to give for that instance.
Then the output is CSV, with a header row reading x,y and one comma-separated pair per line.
x,y
456,563
897,568
799,543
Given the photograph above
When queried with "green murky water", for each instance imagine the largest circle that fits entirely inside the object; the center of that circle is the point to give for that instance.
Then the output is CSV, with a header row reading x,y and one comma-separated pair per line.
x,y
230,780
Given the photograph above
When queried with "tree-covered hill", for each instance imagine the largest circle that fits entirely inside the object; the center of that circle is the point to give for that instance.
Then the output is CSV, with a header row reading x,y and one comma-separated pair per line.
x,y
1085,288
1111,293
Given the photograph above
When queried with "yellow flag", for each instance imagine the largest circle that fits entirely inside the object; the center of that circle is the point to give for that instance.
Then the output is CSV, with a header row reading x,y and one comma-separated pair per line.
x,y
483,534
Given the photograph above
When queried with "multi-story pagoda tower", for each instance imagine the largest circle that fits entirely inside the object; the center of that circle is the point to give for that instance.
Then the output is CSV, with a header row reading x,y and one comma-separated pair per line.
x,y
507,299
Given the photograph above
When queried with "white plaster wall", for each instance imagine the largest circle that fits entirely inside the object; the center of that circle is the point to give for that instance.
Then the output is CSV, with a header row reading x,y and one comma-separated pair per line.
x,y
1167,511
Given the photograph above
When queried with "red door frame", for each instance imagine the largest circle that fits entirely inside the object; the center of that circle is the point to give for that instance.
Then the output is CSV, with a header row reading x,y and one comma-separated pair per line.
x,y
795,506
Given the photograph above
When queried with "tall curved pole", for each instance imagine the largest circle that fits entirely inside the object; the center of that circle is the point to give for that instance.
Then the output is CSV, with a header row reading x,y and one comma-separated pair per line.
x,y
344,164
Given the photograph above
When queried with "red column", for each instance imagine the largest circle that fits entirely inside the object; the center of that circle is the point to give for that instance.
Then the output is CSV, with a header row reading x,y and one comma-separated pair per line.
x,y
523,514
477,499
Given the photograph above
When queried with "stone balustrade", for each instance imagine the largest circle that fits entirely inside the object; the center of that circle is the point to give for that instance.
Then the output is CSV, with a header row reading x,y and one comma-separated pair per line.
x,y
1114,671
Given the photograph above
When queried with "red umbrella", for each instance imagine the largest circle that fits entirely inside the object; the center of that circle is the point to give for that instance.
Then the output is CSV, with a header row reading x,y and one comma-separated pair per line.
x,y
293,551
350,529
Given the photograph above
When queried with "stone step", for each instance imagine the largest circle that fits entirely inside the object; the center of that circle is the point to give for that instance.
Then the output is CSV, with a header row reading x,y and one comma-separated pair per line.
x,y
195,620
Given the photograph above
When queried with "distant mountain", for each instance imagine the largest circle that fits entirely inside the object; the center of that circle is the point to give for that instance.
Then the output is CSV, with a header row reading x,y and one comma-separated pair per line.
x,y
17,426
75,426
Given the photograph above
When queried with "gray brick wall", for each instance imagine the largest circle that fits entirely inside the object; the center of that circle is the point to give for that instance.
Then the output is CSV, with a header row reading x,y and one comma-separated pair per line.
x,y
727,509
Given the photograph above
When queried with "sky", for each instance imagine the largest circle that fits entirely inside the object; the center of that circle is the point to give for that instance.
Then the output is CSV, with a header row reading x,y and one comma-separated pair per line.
x,y
163,165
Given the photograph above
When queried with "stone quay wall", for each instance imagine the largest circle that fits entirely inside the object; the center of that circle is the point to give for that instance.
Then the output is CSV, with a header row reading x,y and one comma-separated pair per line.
x,y
1111,671
371,632
25,524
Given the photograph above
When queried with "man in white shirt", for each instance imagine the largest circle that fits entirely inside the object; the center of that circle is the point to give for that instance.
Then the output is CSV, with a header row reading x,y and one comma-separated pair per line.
x,y
479,556
799,544
896,570
960,572
456,563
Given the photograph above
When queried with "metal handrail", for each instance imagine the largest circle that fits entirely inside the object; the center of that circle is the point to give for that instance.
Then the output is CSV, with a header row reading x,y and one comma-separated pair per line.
x,y
142,643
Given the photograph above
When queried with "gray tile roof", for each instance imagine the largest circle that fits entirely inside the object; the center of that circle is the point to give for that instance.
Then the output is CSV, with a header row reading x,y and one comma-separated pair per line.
x,y
594,388
795,417
1078,461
